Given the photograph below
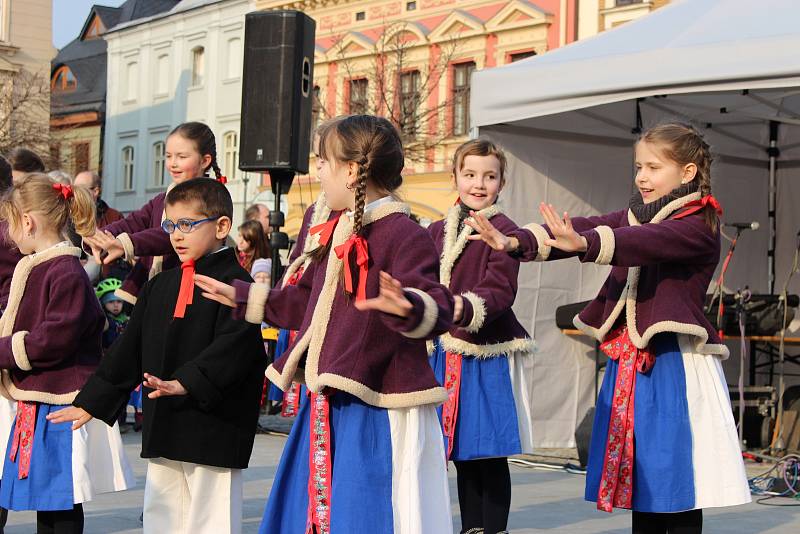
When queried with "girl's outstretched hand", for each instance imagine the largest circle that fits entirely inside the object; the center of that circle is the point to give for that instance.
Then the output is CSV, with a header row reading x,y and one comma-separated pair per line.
x,y
78,416
163,388
106,248
216,290
564,236
391,298
488,233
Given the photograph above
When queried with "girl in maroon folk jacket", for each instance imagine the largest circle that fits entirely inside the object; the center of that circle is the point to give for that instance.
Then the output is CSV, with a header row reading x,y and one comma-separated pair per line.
x,y
299,258
480,360
50,343
370,425
191,150
664,442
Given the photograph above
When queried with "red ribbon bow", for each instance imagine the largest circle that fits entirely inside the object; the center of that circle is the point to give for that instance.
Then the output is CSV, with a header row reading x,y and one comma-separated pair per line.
x,y
64,190
325,230
186,292
696,205
222,179
362,260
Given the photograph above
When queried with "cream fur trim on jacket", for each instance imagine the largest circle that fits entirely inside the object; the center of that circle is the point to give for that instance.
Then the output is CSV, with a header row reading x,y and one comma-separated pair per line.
x,y
310,344
627,301
18,282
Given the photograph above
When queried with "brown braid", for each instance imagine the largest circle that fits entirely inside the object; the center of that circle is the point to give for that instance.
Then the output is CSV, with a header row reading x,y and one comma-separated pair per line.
x,y
361,194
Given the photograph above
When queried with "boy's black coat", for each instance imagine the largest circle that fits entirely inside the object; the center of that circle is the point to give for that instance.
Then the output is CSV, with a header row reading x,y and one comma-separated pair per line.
x,y
219,360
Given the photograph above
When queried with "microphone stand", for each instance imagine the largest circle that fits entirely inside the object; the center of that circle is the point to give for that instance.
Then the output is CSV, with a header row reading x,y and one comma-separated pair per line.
x,y
718,290
742,297
778,442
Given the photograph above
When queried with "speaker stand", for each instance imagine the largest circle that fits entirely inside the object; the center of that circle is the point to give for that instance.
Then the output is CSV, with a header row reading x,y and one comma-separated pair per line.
x,y
280,181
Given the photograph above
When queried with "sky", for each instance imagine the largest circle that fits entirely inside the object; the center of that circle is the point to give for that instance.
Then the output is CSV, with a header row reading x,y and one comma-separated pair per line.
x,y
69,16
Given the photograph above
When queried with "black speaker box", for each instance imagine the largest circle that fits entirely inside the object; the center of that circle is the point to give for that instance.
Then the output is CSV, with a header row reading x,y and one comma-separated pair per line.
x,y
277,91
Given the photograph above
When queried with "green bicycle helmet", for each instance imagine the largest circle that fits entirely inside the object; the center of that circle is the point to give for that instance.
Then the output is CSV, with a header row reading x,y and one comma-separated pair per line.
x,y
109,285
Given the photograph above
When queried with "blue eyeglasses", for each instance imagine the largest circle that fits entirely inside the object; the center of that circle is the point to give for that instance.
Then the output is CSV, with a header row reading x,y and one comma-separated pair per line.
x,y
184,225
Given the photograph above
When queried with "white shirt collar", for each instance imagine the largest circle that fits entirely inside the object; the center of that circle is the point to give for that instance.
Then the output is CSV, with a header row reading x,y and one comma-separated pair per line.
x,y
374,204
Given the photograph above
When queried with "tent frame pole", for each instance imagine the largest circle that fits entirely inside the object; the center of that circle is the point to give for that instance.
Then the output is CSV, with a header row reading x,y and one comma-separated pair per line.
x,y
773,152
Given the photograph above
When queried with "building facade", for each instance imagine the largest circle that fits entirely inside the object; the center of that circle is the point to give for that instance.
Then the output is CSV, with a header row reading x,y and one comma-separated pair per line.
x,y
412,61
25,52
181,65
408,60
78,86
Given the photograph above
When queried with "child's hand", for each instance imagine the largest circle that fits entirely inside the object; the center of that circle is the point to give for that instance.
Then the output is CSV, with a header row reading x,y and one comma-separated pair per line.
x,y
105,242
458,308
78,416
216,290
390,299
163,388
489,234
565,238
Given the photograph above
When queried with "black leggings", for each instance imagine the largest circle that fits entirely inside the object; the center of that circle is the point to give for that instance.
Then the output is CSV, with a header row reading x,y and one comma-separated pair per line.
x,y
690,522
484,494
61,521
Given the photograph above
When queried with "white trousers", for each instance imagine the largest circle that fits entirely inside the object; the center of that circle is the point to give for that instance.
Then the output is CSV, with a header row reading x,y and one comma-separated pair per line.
x,y
187,498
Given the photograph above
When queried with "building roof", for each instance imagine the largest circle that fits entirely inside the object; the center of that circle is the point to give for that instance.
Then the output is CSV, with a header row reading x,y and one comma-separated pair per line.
x,y
177,7
86,58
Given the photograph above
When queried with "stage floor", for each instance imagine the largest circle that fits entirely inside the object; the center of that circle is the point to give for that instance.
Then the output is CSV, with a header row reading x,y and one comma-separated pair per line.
x,y
543,501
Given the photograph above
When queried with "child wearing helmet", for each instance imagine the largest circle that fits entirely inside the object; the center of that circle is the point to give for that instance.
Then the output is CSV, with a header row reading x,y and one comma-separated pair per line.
x,y
117,320
114,310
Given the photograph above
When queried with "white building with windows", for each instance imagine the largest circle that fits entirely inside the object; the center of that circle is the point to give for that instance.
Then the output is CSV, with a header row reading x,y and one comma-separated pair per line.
x,y
181,65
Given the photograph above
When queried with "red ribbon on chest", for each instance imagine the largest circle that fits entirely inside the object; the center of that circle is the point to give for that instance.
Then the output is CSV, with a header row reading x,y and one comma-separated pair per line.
x,y
344,252
325,230
696,205
186,291
616,483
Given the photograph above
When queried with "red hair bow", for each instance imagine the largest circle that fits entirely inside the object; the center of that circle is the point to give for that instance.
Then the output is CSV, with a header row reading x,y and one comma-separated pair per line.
x,y
64,190
696,205
222,179
362,260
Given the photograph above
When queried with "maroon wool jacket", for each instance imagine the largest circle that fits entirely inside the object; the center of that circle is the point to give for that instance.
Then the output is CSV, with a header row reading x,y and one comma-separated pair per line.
x,y
659,277
379,358
50,333
9,257
141,235
486,279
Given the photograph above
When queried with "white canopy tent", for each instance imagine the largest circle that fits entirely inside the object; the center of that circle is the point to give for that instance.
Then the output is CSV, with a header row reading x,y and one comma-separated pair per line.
x,y
568,120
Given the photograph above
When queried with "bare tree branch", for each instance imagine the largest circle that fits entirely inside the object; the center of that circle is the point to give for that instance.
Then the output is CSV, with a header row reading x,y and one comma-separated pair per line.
x,y
390,64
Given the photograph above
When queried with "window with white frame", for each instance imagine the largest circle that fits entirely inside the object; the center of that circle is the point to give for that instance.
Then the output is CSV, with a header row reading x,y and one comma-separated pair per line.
x,y
198,66
234,63
127,168
230,151
131,80
158,164
162,74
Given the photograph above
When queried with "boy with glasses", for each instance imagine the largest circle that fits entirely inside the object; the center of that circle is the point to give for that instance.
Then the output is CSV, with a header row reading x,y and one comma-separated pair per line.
x,y
202,369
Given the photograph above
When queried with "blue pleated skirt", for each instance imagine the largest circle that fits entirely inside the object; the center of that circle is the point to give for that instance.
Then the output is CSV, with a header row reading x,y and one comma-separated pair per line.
x,y
67,467
686,451
487,425
388,477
